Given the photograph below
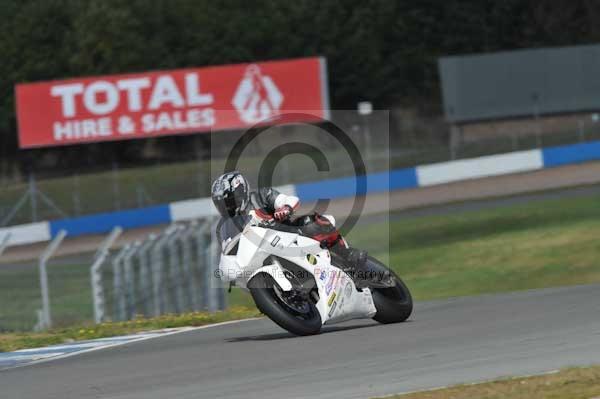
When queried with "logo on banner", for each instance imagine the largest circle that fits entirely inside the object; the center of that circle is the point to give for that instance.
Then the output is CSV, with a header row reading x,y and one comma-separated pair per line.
x,y
257,97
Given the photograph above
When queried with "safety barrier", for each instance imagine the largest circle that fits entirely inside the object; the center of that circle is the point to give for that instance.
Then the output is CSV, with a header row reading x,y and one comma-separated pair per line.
x,y
399,179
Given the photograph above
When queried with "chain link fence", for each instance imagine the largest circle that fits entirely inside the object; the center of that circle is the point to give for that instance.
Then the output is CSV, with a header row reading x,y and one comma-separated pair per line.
x,y
172,272
68,287
169,272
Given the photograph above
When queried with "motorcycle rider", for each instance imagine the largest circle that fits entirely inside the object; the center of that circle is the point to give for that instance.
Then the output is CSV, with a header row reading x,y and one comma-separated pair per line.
x,y
233,199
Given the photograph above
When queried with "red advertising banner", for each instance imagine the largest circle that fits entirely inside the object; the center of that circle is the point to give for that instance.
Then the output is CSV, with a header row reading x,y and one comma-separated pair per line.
x,y
162,103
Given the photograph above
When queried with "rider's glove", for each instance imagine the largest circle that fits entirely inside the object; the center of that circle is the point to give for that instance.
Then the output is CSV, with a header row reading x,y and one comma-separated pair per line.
x,y
283,213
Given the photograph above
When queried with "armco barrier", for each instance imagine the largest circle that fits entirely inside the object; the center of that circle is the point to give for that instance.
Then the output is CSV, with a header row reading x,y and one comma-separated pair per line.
x,y
105,222
27,233
493,165
400,179
571,154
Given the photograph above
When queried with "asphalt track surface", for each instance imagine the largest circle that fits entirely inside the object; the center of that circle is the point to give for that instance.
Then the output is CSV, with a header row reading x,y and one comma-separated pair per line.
x,y
445,342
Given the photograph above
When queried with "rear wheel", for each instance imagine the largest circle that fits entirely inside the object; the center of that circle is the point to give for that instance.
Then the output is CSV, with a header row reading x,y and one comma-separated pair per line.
x,y
291,310
394,303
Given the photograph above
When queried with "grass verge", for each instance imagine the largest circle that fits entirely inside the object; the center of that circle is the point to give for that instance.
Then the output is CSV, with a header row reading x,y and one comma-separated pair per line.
x,y
575,383
537,245
14,341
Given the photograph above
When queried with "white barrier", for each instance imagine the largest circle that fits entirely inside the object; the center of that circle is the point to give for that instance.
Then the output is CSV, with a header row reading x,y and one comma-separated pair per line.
x,y
493,165
26,233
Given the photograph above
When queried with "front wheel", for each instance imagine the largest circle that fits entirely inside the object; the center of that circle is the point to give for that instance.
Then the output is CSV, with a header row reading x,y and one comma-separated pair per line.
x,y
394,304
292,311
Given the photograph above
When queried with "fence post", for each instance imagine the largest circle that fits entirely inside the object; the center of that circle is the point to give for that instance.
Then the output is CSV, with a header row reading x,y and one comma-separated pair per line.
x,y
96,276
218,292
175,269
213,299
212,258
129,275
203,260
33,197
146,273
157,268
46,321
118,291
156,275
186,248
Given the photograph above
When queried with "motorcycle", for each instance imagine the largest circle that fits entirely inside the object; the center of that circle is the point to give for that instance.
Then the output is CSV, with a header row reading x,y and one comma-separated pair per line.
x,y
301,286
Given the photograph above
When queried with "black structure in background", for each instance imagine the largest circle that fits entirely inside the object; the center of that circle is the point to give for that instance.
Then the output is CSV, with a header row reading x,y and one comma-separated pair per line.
x,y
523,83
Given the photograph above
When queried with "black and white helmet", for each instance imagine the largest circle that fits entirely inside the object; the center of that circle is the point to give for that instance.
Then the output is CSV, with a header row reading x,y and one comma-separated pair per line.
x,y
231,194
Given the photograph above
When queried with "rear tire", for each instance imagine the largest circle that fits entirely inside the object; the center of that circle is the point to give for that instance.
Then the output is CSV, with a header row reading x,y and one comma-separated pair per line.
x,y
262,288
394,304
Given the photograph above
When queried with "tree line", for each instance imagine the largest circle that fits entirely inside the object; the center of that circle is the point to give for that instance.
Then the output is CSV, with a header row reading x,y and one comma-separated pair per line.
x,y
384,51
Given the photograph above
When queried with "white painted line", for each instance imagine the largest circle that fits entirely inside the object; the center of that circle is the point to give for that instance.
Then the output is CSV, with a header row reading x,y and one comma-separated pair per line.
x,y
143,337
57,347
31,356
126,337
75,345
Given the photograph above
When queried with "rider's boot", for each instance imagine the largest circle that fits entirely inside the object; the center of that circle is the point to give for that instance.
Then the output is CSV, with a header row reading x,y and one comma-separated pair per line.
x,y
356,261
322,229
356,258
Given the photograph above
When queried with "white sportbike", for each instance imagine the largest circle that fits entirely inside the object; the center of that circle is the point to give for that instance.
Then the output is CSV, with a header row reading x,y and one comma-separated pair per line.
x,y
302,286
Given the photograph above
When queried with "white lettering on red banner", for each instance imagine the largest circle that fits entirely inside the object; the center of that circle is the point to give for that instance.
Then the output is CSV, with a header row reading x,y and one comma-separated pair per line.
x,y
163,103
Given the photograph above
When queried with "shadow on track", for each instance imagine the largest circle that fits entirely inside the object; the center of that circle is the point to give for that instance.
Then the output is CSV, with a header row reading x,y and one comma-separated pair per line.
x,y
286,335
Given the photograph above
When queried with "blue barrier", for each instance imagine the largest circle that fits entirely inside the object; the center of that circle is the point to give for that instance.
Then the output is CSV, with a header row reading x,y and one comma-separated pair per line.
x,y
367,184
105,222
570,154
328,189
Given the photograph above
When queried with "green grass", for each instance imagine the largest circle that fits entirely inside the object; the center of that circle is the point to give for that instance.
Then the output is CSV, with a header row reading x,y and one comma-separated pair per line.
x,y
574,383
20,297
541,244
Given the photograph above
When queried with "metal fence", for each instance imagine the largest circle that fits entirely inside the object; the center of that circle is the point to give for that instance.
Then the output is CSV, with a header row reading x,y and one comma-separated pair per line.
x,y
168,272
172,272
117,188
68,291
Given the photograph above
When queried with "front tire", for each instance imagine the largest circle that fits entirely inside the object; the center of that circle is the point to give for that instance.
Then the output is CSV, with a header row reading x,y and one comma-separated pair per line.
x,y
264,291
393,304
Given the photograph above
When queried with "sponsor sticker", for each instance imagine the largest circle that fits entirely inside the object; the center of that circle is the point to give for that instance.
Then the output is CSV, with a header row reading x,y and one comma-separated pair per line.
x,y
331,299
323,275
337,282
311,259
331,283
332,310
